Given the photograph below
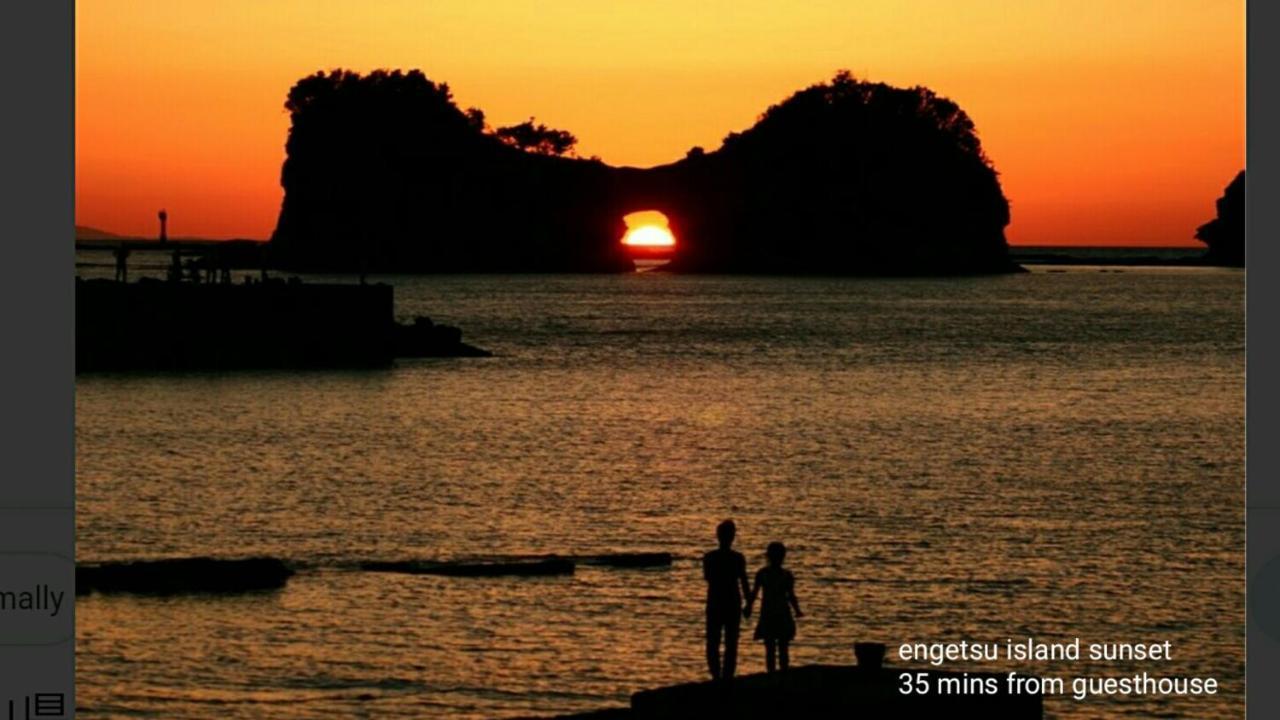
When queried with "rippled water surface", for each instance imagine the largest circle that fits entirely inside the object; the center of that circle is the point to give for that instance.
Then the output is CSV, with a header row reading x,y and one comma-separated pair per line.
x,y
1057,454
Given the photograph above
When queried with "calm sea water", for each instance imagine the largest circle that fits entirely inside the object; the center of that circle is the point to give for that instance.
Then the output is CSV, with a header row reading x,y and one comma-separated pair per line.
x,y
1057,454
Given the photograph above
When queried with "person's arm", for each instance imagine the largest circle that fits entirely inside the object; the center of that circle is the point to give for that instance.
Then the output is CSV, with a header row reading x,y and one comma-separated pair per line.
x,y
751,596
791,595
742,577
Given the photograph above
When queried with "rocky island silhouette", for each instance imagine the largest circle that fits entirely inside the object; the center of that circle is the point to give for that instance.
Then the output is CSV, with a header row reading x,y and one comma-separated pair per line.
x,y
385,173
1224,234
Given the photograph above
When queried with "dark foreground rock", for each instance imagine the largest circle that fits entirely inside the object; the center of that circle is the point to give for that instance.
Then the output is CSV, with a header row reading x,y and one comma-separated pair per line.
x,y
823,691
831,691
182,576
422,338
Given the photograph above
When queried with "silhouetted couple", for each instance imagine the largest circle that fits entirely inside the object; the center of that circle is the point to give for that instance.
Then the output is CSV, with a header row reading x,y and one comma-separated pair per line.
x,y
725,570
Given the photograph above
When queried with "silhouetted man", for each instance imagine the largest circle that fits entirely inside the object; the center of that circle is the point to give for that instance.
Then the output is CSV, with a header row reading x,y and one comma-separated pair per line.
x,y
726,573
122,263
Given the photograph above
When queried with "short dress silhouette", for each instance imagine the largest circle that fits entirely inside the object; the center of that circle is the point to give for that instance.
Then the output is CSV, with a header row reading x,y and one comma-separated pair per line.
x,y
776,622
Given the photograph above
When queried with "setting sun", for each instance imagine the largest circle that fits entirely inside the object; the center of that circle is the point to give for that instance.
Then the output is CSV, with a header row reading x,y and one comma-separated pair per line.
x,y
649,236
648,230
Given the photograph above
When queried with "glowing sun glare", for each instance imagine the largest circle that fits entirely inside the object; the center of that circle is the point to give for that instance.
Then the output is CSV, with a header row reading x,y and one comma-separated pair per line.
x,y
647,229
649,236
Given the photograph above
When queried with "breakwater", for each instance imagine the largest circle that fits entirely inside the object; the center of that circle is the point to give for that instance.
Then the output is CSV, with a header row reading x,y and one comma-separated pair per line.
x,y
273,323
174,576
231,576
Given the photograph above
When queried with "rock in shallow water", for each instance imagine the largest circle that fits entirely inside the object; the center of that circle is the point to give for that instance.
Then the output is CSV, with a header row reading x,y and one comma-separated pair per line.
x,y
183,575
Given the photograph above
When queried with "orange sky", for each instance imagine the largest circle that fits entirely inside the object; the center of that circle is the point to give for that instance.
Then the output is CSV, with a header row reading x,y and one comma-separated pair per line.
x,y
1111,121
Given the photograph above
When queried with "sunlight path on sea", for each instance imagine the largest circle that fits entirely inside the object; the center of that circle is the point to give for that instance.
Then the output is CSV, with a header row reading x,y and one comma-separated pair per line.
x,y
1050,454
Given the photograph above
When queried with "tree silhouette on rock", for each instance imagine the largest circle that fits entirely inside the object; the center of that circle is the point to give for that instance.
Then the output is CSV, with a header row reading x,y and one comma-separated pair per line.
x,y
538,138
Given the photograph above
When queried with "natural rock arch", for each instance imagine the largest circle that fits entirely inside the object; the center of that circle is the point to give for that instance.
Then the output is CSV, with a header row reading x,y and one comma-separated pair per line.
x,y
384,172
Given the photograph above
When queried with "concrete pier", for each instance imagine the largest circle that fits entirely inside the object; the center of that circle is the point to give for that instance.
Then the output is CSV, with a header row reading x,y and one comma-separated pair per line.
x,y
166,325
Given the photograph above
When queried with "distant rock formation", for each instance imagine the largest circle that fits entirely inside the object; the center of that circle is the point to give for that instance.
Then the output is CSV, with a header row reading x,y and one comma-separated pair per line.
x,y
1225,234
383,172
86,233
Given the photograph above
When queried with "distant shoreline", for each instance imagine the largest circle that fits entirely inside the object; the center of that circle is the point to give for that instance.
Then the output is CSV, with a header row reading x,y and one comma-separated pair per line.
x,y
1021,255
134,243
1111,256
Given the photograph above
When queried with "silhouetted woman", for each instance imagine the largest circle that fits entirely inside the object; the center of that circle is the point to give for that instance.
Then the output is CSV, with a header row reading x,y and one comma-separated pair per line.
x,y
776,626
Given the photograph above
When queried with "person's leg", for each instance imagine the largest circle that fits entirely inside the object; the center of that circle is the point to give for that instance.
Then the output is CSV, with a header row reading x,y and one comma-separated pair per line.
x,y
784,654
713,644
730,647
769,650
